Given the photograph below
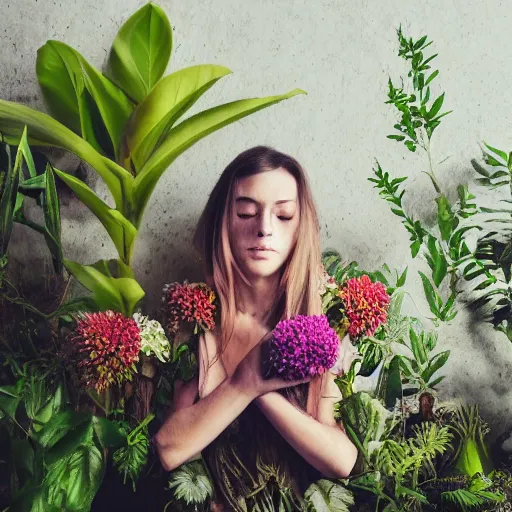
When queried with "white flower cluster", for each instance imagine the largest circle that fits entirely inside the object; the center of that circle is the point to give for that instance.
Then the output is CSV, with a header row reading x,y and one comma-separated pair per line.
x,y
152,338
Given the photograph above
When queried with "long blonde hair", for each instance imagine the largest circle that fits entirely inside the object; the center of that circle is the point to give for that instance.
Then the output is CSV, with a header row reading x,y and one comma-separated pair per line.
x,y
298,290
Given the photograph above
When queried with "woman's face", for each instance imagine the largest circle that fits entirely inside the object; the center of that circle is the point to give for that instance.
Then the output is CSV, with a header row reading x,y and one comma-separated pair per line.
x,y
264,222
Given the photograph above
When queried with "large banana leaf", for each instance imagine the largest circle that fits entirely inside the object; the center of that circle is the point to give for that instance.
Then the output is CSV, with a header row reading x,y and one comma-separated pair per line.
x,y
121,230
165,104
76,90
43,130
188,133
141,51
116,293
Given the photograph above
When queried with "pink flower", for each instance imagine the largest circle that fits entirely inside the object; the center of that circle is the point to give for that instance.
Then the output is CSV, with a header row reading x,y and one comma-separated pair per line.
x,y
189,303
365,303
303,347
107,344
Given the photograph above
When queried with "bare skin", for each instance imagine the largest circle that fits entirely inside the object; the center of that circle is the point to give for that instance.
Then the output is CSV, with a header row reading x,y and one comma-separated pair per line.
x,y
265,214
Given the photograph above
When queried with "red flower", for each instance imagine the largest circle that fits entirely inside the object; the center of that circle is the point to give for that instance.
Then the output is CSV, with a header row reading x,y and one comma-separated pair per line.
x,y
189,303
366,305
108,345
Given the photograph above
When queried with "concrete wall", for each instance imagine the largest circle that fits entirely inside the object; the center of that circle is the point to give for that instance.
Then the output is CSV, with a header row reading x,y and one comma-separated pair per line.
x,y
341,52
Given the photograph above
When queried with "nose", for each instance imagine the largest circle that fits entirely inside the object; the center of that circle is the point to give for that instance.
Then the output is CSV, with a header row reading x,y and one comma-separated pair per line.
x,y
265,227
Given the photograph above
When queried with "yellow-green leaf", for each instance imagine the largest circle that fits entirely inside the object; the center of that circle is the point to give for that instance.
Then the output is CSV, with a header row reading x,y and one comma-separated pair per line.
x,y
43,130
166,103
141,51
99,107
117,293
188,133
121,231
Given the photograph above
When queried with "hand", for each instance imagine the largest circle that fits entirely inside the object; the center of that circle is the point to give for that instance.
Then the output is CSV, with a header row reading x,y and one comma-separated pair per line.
x,y
249,373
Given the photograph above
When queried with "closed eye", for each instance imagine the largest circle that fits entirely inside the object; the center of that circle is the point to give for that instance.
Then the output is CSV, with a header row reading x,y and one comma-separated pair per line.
x,y
245,215
281,217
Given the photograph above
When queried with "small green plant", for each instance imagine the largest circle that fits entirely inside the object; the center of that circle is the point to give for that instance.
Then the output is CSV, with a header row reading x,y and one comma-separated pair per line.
x,y
444,249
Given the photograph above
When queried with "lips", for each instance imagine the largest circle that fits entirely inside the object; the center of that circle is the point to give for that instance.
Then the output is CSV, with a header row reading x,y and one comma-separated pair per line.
x,y
262,248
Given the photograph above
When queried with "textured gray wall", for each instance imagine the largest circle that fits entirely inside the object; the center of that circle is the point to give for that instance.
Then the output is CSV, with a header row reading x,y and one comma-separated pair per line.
x,y
341,52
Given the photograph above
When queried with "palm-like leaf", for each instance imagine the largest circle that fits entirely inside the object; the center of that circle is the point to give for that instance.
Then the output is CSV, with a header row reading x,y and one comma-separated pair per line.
x,y
191,483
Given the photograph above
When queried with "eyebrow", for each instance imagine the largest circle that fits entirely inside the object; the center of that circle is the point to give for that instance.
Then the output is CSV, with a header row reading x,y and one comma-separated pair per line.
x,y
245,199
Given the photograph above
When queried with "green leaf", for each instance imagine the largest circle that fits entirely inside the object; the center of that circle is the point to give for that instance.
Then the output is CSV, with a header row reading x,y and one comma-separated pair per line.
x,y
371,354
433,299
73,481
436,107
401,280
117,293
78,435
51,210
393,387
166,103
109,434
446,219
37,183
436,363
418,348
8,199
438,261
74,305
188,133
437,381
32,498
406,365
9,401
121,231
191,483
49,408
327,496
63,86
43,130
59,426
23,460
498,152
366,418
58,64
431,77
405,491
141,51
398,138
410,145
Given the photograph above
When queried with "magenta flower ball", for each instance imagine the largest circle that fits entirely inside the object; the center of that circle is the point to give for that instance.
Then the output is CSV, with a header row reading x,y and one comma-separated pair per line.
x,y
303,347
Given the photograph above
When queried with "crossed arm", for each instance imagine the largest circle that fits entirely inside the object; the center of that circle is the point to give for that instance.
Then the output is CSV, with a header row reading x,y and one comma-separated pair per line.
x,y
322,442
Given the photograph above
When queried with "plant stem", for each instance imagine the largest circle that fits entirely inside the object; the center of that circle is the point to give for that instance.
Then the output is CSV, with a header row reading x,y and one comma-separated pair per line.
x,y
431,173
148,419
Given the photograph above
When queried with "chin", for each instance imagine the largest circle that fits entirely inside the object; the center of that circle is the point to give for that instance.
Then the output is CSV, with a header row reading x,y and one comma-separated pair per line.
x,y
260,270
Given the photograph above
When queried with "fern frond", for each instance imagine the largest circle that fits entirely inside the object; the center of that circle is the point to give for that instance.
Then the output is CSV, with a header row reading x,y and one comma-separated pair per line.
x,y
465,500
191,483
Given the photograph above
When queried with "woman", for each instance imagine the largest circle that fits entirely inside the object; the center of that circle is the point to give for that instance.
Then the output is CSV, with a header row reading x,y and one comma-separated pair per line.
x,y
264,441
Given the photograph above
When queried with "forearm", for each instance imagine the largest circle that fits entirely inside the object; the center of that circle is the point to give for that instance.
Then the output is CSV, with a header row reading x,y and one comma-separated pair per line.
x,y
189,430
327,448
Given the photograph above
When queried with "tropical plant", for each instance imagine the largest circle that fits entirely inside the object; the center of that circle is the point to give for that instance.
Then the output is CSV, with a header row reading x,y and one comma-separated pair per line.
x,y
124,124
57,455
492,253
445,249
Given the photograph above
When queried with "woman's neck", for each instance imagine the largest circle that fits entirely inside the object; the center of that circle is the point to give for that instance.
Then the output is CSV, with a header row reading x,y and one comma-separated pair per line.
x,y
257,299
